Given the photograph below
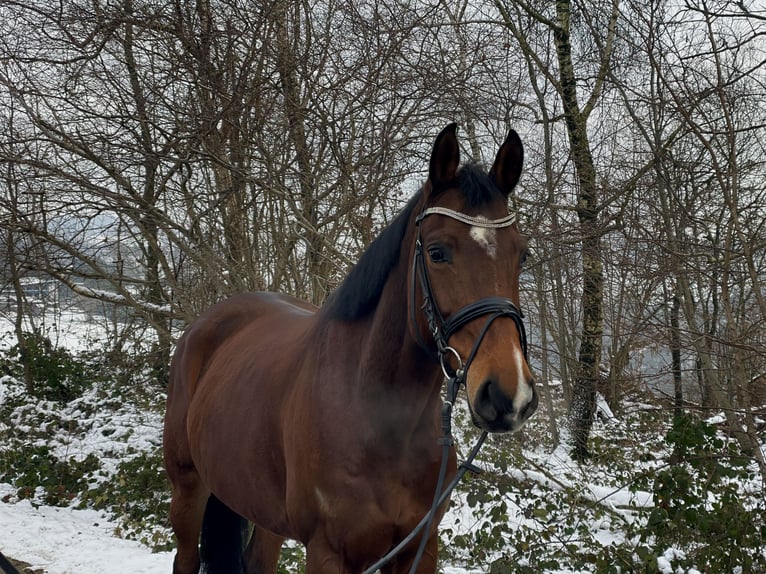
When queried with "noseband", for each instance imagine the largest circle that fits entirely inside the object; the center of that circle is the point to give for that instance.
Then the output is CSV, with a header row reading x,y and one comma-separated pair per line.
x,y
441,330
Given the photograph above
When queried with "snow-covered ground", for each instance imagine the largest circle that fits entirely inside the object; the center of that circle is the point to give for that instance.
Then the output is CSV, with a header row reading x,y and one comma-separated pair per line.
x,y
69,541
65,540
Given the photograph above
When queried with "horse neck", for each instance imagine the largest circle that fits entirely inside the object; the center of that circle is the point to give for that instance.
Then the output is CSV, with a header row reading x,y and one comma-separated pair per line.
x,y
394,370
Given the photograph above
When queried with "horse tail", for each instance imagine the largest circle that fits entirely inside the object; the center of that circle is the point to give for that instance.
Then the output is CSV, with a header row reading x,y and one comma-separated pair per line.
x,y
222,544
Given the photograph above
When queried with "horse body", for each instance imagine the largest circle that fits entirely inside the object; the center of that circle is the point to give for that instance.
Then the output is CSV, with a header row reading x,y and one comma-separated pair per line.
x,y
323,426
231,410
379,426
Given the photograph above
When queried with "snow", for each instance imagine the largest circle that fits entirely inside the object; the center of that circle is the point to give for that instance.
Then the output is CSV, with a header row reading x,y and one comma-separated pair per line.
x,y
71,328
66,541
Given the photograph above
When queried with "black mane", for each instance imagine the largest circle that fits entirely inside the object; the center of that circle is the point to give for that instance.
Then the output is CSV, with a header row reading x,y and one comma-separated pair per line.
x,y
360,291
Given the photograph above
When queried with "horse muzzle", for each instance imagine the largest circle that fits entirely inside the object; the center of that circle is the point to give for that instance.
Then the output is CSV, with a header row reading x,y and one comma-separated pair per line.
x,y
494,410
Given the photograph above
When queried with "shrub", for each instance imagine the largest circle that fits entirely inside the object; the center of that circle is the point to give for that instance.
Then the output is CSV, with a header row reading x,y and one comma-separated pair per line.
x,y
137,495
706,514
31,467
699,507
58,374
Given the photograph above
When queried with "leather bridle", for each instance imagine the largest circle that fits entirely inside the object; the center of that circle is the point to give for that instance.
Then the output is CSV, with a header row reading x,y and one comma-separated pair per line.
x,y
441,329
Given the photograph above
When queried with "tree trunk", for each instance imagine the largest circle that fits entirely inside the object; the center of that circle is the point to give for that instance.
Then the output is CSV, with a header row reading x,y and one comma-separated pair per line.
x,y
544,362
675,353
11,251
18,322
589,358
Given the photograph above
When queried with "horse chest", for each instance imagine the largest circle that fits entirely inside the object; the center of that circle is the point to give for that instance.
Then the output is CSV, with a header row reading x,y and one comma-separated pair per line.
x,y
361,494
365,516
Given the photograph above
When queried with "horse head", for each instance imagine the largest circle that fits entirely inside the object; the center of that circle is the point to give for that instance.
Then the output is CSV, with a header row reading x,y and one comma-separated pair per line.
x,y
467,261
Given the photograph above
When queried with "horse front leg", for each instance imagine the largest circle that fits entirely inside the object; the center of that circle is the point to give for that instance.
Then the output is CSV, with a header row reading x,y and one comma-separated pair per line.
x,y
322,559
262,554
427,564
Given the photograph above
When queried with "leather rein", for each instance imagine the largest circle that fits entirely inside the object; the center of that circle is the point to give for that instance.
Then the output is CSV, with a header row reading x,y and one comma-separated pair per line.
x,y
441,329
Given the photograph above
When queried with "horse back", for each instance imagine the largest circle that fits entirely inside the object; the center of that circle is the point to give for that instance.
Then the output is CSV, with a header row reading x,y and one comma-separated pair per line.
x,y
219,324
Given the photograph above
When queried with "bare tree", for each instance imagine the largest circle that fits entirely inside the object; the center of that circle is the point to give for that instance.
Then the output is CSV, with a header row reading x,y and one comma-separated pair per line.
x,y
704,81
556,21
230,147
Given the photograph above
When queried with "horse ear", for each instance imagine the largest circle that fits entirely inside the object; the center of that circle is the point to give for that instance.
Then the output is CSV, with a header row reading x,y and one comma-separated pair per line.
x,y
507,168
445,157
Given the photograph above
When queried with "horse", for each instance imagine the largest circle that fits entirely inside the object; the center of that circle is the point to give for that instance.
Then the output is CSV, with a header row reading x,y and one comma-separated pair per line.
x,y
322,425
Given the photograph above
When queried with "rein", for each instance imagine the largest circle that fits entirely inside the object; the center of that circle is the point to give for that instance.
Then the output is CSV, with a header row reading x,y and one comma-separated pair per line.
x,y
441,330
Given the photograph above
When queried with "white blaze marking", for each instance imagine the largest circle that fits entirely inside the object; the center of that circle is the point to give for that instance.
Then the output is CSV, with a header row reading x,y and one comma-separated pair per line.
x,y
485,236
523,388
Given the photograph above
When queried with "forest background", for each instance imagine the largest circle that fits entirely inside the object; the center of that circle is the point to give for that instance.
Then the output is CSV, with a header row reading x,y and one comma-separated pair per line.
x,y
158,156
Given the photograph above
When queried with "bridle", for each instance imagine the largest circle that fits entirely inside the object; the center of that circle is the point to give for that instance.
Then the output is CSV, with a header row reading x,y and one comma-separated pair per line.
x,y
441,329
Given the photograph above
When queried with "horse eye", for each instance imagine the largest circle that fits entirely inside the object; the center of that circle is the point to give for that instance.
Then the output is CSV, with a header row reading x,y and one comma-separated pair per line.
x,y
438,255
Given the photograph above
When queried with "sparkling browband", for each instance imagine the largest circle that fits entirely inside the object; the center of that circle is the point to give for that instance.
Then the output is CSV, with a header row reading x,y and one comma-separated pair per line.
x,y
509,219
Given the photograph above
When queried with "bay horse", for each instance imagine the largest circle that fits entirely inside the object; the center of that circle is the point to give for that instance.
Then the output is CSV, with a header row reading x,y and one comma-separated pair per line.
x,y
323,425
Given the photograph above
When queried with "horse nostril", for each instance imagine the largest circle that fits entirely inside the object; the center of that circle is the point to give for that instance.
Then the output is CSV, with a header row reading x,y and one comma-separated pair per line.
x,y
491,402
